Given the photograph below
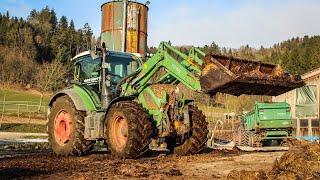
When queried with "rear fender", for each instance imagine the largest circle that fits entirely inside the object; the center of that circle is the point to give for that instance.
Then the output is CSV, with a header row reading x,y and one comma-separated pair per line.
x,y
82,103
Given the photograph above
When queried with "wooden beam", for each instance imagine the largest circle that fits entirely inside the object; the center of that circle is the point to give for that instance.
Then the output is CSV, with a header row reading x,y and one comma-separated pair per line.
x,y
298,127
310,127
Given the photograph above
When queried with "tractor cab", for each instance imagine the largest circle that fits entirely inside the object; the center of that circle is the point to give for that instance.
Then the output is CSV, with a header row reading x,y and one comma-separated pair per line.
x,y
87,68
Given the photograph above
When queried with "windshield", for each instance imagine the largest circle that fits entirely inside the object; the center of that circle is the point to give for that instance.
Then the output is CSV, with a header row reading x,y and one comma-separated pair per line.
x,y
120,67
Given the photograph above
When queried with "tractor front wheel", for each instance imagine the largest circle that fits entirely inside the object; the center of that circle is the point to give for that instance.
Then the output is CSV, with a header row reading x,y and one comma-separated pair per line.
x,y
66,129
128,129
198,135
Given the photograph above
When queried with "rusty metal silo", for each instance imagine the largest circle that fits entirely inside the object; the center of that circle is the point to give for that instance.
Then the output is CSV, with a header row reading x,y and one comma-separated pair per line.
x,y
128,15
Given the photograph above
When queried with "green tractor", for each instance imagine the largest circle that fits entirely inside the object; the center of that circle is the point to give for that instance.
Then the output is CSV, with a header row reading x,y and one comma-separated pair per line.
x,y
120,99
269,124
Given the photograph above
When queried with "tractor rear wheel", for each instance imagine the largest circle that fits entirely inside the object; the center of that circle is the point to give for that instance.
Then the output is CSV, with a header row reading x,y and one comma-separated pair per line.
x,y
66,129
128,130
198,135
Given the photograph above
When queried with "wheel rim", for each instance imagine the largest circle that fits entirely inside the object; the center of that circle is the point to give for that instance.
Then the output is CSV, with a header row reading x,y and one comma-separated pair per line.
x,y
119,131
63,127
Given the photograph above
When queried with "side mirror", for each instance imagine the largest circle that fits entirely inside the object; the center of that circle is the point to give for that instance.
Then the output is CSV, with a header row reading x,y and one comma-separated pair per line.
x,y
95,54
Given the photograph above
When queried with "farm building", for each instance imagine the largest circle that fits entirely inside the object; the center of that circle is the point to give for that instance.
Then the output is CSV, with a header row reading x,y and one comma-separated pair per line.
x,y
305,105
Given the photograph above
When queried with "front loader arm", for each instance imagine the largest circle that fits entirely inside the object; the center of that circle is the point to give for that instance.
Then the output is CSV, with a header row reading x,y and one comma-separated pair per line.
x,y
197,55
193,61
175,72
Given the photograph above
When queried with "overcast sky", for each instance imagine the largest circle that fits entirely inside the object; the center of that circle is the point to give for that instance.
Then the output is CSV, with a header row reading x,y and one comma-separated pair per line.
x,y
230,23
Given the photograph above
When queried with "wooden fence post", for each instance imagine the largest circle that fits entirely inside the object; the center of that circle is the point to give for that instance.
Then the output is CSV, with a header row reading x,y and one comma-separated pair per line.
x,y
232,125
19,107
4,102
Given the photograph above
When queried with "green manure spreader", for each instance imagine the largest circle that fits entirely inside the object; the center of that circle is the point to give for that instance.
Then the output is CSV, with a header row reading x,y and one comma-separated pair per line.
x,y
269,124
120,99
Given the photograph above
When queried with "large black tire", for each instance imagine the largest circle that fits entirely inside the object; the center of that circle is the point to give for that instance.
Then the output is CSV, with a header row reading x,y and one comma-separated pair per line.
x,y
128,130
198,135
244,137
257,141
76,145
254,139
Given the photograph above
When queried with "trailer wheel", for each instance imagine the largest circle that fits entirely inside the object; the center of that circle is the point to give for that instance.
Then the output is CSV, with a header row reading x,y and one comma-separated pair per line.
x,y
198,135
66,129
254,140
244,137
128,130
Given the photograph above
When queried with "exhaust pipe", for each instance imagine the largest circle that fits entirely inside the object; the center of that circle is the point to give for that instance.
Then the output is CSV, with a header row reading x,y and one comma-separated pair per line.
x,y
106,92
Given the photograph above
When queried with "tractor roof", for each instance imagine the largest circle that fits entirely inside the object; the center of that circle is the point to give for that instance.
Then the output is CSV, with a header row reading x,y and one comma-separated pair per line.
x,y
113,53
85,53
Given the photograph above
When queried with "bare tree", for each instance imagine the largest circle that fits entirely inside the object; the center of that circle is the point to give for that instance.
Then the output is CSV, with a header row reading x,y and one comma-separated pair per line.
x,y
49,76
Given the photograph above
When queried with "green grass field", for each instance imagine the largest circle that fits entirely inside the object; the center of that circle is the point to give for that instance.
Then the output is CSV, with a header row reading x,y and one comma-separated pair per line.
x,y
22,103
12,95
24,128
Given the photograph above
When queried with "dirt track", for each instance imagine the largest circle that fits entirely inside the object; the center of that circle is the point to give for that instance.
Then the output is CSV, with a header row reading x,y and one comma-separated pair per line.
x,y
16,135
41,119
210,165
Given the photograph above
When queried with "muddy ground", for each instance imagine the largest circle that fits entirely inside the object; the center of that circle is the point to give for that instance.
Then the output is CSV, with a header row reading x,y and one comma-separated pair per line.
x,y
212,164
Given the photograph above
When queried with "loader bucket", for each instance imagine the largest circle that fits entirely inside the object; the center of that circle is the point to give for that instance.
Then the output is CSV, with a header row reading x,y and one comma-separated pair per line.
x,y
241,76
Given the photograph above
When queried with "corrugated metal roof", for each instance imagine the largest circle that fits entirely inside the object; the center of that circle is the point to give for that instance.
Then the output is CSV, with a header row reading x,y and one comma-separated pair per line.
x,y
311,74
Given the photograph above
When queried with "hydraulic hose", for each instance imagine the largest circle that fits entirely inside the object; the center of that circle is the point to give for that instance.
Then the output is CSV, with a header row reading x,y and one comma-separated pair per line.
x,y
117,90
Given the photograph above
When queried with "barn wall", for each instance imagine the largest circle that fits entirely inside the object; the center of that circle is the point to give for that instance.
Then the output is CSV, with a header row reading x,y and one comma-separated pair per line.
x,y
303,126
290,97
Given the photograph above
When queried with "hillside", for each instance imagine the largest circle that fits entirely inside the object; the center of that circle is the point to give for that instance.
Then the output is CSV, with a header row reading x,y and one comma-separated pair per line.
x,y
31,96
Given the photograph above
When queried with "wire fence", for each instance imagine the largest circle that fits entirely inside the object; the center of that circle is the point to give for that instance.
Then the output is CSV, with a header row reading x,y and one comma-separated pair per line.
x,y
22,108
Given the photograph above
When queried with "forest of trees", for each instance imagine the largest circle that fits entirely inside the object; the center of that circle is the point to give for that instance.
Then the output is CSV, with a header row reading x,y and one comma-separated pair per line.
x,y
30,48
